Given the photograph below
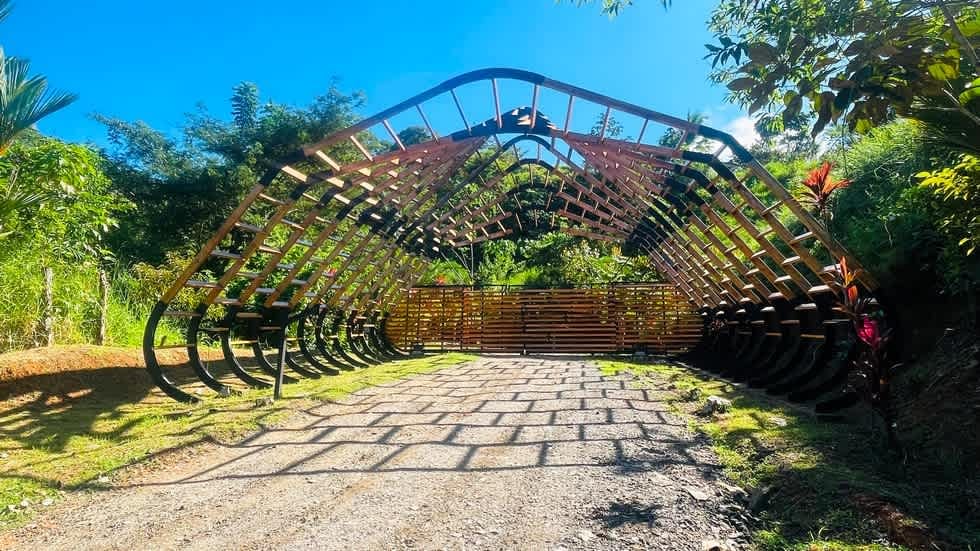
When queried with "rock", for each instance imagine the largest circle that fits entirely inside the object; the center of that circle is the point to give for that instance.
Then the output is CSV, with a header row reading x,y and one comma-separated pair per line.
x,y
778,421
736,492
25,503
693,394
47,502
585,536
697,494
759,498
714,545
715,404
103,479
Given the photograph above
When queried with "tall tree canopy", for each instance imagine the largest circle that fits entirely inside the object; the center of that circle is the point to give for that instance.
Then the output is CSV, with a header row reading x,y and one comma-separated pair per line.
x,y
183,188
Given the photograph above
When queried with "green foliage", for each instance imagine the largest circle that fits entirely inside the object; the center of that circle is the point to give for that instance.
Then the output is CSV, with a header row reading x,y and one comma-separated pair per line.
x,y
893,224
587,262
16,197
63,226
861,62
557,259
70,206
672,136
957,188
445,272
612,8
24,99
146,282
76,302
413,135
184,189
783,140
498,262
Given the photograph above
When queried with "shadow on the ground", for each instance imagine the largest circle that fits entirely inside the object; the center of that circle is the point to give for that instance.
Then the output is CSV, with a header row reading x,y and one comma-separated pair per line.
x,y
491,417
622,513
46,411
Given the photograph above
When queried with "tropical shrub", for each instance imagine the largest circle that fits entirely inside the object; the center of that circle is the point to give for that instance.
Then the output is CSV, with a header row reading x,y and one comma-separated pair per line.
x,y
957,188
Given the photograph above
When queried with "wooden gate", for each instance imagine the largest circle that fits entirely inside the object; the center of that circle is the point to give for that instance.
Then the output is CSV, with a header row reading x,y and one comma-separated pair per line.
x,y
613,318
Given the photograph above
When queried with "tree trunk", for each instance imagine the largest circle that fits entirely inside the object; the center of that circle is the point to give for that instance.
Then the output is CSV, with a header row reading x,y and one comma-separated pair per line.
x,y
48,306
958,33
103,308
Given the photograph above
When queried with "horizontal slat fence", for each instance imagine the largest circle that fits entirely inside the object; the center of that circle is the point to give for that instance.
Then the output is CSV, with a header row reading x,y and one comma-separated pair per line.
x,y
614,318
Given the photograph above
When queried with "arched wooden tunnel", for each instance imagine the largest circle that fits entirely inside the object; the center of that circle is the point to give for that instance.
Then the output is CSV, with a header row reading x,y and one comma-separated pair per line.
x,y
328,245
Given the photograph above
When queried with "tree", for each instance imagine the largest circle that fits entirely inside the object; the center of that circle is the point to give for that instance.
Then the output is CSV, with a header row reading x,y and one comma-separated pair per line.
x,y
672,137
411,136
414,135
614,128
784,140
24,99
612,8
857,62
245,106
183,189
70,207
860,62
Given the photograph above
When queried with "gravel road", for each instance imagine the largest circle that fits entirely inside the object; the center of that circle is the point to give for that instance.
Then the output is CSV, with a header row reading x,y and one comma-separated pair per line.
x,y
504,452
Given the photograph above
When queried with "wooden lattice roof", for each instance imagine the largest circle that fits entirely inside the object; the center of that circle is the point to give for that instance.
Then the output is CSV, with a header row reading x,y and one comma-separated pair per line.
x,y
356,225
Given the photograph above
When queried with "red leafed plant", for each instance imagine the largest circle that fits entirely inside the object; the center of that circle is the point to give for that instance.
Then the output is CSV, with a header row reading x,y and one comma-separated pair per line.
x,y
820,186
440,279
873,369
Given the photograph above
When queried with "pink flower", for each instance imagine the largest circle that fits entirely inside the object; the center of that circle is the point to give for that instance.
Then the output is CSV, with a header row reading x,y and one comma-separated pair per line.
x,y
869,333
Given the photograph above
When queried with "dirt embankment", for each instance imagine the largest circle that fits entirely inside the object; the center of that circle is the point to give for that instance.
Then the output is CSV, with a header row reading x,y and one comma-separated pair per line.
x,y
53,374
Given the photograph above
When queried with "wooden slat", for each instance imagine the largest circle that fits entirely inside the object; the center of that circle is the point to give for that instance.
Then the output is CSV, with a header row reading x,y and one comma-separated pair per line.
x,y
605,319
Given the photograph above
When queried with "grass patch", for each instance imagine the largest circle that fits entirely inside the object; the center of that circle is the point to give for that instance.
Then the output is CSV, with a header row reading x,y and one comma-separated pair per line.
x,y
817,472
73,443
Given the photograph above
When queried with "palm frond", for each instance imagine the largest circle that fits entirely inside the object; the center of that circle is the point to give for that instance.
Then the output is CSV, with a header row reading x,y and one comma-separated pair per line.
x,y
24,100
14,198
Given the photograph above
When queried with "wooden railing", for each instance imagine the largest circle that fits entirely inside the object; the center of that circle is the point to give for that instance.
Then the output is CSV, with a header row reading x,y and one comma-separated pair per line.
x,y
601,319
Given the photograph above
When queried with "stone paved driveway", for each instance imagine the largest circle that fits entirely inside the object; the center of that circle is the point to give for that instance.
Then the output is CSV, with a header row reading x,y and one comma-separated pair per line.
x,y
504,452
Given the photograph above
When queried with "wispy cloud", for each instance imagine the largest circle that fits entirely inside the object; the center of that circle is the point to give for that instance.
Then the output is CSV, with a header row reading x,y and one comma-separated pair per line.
x,y
743,130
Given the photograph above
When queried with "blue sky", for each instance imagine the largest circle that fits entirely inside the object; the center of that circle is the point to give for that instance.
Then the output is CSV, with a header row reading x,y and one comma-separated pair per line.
x,y
155,61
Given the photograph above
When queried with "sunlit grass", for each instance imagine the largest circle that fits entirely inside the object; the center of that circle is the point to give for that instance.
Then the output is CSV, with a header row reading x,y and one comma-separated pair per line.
x,y
44,452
